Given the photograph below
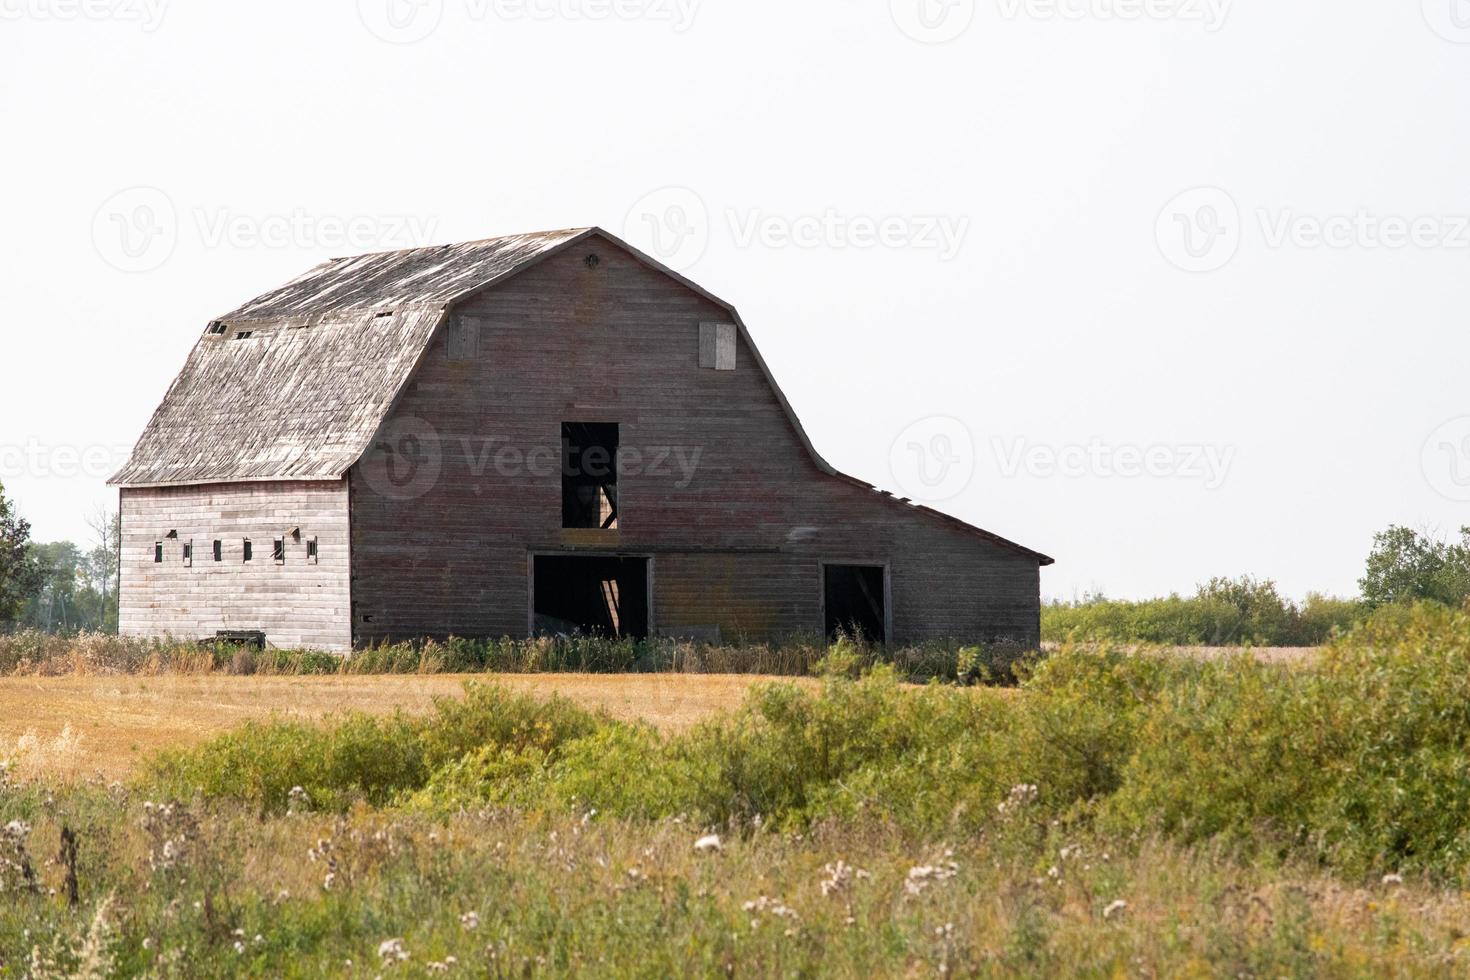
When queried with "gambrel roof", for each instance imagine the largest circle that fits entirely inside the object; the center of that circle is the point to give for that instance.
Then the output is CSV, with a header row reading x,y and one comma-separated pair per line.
x,y
295,384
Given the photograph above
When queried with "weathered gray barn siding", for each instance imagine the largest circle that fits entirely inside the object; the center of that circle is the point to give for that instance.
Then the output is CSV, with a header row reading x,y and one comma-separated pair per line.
x,y
296,604
740,547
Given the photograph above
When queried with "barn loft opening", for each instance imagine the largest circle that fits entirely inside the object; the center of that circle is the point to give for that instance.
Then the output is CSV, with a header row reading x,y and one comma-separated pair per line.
x,y
249,550
855,601
590,595
589,474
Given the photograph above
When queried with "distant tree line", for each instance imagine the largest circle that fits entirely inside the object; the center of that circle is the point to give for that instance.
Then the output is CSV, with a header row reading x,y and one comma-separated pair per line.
x,y
60,586
1404,566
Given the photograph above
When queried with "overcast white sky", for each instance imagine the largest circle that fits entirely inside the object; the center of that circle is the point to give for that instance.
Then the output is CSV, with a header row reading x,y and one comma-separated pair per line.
x,y
1163,288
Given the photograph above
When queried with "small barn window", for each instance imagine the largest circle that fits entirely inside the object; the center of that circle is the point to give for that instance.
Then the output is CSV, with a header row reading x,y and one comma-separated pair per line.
x,y
589,475
188,553
717,346
249,550
216,328
219,550
245,335
158,552
278,551
313,553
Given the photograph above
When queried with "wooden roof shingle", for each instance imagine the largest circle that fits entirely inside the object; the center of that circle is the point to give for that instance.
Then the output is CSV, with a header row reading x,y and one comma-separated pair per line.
x,y
302,393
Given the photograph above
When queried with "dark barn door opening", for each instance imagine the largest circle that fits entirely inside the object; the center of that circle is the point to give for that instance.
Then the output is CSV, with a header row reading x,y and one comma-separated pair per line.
x,y
591,595
854,600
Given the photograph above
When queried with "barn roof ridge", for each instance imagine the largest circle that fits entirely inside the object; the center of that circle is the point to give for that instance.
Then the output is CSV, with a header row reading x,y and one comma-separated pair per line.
x,y
571,232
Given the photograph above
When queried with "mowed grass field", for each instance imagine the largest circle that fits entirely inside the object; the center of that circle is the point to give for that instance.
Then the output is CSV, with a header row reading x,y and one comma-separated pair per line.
x,y
79,725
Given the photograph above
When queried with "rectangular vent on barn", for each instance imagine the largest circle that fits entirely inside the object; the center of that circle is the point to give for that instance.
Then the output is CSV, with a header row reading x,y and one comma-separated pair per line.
x,y
717,346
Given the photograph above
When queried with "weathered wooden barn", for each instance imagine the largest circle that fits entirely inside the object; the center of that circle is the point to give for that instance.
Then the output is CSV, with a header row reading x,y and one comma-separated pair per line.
x,y
540,433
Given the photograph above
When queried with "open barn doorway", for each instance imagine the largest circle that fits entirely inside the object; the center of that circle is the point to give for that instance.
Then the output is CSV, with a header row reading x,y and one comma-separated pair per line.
x,y
855,601
594,595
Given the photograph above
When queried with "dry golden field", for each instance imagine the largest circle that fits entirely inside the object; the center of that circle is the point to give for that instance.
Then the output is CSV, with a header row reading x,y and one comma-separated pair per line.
x,y
83,724
79,725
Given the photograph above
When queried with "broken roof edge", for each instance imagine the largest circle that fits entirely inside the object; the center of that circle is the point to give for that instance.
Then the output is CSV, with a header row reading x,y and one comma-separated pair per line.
x,y
958,523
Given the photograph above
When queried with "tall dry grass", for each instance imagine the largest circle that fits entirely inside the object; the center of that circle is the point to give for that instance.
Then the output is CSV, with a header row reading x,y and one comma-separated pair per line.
x,y
32,653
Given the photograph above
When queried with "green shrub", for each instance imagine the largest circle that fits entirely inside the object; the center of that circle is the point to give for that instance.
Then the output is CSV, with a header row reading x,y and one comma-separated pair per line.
x,y
492,716
1360,760
1364,758
1222,612
354,756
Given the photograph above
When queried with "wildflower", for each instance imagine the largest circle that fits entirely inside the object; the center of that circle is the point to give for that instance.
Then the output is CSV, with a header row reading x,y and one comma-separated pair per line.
x,y
1393,879
239,947
1021,796
774,906
840,876
437,967
921,876
392,951
708,844
1114,908
470,920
